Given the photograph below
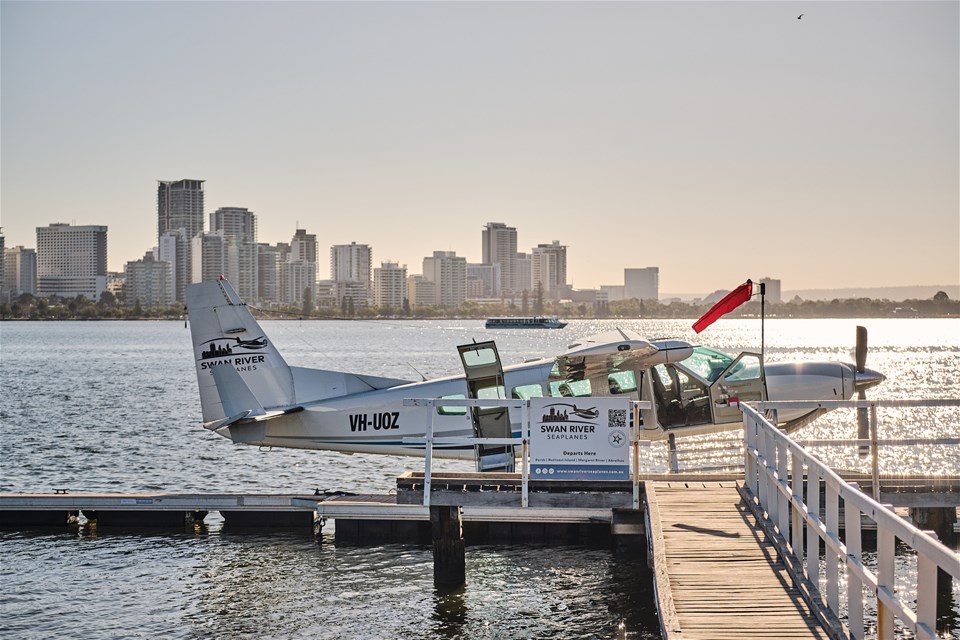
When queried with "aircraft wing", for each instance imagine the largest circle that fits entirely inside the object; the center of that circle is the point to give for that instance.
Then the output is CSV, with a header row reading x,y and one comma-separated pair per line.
x,y
618,350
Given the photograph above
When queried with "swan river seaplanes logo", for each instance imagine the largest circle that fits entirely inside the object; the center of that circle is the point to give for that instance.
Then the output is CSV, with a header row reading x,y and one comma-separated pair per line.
x,y
242,354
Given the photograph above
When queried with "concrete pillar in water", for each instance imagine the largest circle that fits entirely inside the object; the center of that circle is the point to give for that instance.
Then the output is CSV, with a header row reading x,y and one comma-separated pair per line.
x,y
449,563
938,519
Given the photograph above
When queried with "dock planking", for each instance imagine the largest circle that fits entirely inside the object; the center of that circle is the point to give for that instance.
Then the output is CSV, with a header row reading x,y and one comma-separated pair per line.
x,y
717,576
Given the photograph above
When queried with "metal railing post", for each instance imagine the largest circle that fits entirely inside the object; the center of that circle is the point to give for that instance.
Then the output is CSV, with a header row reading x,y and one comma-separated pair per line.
x,y
635,444
672,444
428,460
874,453
524,453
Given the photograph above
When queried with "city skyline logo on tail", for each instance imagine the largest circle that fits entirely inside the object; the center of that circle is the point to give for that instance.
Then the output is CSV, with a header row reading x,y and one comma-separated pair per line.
x,y
216,351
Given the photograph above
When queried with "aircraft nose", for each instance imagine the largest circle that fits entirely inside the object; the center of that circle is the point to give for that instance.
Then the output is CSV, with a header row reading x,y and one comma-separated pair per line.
x,y
867,378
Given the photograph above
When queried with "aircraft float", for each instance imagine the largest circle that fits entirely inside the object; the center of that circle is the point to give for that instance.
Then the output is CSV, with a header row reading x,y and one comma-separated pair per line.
x,y
250,394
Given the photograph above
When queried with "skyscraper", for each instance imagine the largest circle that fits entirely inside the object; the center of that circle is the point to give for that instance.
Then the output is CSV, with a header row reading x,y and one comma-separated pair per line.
x,y
180,211
180,206
148,282
4,293
549,266
238,226
20,272
389,285
303,247
209,256
350,269
500,247
642,284
71,261
449,273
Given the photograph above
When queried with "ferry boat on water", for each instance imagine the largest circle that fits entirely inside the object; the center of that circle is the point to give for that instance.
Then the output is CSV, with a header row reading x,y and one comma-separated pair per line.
x,y
537,322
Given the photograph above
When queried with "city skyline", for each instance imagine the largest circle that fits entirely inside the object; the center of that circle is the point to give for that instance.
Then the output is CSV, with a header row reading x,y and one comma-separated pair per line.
x,y
718,141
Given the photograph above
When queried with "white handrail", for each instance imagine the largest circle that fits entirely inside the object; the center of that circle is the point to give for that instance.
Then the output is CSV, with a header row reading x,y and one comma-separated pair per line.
x,y
775,468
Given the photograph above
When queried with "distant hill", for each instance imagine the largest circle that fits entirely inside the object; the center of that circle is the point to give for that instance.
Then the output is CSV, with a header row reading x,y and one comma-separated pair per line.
x,y
917,292
894,294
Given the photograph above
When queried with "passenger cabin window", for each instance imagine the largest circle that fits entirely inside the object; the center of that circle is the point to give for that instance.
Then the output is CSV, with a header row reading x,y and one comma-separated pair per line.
x,y
527,391
490,393
622,382
570,389
452,411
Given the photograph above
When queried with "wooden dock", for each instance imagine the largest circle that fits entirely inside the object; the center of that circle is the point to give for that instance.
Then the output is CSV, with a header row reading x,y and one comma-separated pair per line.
x,y
716,574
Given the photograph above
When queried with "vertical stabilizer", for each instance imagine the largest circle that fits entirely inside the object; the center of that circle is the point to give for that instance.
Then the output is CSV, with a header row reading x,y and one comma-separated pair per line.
x,y
225,332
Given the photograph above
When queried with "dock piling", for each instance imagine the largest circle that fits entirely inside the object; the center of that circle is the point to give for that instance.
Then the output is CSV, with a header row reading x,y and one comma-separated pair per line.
x,y
449,559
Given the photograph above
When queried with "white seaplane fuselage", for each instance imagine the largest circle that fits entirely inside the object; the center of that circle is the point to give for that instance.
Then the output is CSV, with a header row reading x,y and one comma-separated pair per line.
x,y
251,395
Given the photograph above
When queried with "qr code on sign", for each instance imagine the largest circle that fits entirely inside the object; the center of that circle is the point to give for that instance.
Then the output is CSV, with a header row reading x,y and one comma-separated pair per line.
x,y
616,417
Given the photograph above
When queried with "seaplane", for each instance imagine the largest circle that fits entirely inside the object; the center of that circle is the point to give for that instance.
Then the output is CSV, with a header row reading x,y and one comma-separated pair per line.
x,y
251,395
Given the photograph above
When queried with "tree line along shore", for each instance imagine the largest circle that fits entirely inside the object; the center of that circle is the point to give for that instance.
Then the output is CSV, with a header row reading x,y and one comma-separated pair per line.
x,y
28,307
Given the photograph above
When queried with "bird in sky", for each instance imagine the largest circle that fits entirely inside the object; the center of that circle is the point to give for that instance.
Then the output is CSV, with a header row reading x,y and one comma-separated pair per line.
x,y
799,16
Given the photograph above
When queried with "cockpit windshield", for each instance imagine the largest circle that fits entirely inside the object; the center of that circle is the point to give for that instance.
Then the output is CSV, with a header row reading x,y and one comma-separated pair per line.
x,y
707,363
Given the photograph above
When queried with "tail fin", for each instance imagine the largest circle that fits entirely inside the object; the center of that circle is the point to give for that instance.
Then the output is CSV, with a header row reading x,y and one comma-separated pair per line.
x,y
225,332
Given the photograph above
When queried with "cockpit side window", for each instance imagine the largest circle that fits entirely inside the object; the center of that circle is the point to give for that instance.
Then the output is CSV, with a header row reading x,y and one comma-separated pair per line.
x,y
748,368
707,363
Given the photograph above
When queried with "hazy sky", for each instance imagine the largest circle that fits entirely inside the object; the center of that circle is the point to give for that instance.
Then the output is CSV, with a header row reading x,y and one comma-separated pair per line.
x,y
716,140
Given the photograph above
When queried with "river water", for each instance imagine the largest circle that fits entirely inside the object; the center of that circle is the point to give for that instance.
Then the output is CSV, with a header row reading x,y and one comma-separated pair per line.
x,y
113,406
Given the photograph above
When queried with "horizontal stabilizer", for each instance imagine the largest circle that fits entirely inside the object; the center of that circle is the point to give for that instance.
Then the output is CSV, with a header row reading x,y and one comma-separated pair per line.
x,y
236,397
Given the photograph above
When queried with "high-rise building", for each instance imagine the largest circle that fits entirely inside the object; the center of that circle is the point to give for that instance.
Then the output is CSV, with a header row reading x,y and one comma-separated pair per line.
x,y
483,280
449,273
4,294
298,268
389,285
172,248
523,274
180,211
239,228
420,291
642,284
19,272
296,278
303,247
72,261
148,282
269,261
549,267
350,265
180,206
771,290
500,247
208,256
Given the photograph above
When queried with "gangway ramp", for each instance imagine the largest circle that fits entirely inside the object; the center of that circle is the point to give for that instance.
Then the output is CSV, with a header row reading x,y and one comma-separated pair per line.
x,y
716,574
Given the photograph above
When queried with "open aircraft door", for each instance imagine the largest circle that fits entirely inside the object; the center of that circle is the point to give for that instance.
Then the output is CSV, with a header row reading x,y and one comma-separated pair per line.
x,y
742,381
481,364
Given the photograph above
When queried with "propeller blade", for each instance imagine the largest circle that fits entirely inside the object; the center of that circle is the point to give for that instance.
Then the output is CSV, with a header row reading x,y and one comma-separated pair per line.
x,y
861,349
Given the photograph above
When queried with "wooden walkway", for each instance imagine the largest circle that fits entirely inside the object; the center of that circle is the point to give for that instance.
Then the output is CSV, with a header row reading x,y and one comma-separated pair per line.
x,y
717,575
